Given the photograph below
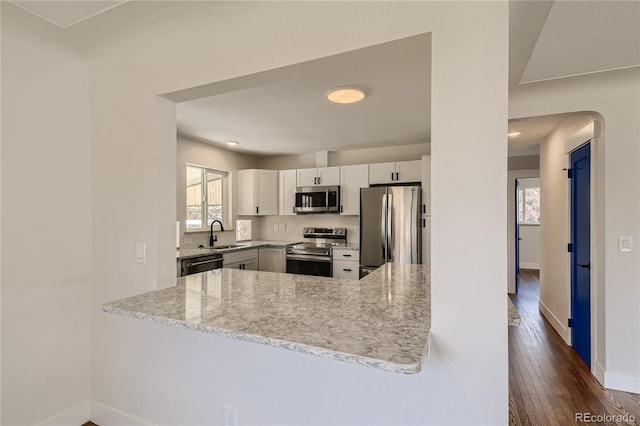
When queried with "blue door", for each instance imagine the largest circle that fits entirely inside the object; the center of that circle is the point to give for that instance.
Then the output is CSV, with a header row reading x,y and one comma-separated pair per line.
x,y
581,252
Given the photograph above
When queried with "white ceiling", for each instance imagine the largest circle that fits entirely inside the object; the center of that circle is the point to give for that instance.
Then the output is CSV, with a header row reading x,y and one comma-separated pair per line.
x,y
290,113
285,110
584,37
66,13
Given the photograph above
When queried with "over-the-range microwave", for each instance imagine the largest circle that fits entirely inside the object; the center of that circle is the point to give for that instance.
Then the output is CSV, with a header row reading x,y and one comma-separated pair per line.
x,y
317,199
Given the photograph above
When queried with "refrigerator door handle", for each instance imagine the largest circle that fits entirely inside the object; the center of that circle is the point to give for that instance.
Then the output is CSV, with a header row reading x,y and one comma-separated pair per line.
x,y
390,228
383,236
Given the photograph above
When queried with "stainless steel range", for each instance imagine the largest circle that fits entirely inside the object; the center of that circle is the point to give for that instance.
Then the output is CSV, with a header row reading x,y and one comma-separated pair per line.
x,y
315,257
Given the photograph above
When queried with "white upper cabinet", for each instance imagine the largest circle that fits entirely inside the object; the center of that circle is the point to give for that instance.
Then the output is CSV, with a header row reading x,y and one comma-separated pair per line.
x,y
395,172
381,172
329,176
352,178
409,171
287,189
307,177
324,176
257,192
426,185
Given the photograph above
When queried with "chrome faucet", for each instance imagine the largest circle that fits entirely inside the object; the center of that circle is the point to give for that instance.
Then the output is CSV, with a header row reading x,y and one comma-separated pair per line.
x,y
214,238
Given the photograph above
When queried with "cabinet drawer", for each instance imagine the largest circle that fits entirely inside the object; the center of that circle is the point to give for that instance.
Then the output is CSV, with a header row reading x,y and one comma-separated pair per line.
x,y
239,256
346,269
344,254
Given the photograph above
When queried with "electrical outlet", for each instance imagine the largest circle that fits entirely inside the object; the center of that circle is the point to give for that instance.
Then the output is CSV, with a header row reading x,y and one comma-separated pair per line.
x,y
282,227
275,227
230,415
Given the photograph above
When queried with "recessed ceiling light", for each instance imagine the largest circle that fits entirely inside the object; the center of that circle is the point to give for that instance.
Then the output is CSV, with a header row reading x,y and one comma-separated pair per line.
x,y
345,95
514,134
232,143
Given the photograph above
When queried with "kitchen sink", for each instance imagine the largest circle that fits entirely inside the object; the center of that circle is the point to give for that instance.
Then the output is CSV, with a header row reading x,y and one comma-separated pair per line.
x,y
228,246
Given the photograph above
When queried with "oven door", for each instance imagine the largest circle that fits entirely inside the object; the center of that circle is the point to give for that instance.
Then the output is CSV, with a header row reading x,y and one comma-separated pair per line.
x,y
309,265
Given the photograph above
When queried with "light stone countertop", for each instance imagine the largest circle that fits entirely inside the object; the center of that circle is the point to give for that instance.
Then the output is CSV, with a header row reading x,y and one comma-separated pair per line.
x,y
187,253
381,321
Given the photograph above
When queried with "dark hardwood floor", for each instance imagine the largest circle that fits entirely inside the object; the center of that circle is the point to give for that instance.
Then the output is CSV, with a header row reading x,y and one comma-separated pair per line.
x,y
548,382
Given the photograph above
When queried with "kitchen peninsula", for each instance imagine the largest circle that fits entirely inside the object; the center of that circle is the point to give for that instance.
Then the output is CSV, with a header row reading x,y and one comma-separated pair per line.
x,y
381,321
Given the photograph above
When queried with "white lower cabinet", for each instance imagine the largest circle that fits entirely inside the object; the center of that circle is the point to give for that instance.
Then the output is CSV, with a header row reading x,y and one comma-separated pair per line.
x,y
244,259
346,263
272,259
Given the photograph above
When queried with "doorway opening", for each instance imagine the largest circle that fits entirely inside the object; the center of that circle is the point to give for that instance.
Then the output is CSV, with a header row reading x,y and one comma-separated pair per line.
x,y
560,303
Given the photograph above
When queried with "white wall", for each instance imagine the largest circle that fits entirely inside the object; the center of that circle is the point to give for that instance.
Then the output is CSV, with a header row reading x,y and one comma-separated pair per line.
x,y
173,376
46,223
616,177
529,247
348,157
555,278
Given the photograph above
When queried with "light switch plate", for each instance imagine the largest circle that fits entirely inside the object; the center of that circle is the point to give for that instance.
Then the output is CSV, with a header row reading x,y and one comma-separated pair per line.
x,y
625,244
141,253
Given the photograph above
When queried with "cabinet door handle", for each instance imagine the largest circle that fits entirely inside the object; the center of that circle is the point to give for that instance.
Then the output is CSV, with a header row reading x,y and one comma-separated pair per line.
x,y
315,180
319,180
346,270
397,175
424,209
391,175
257,209
341,208
346,255
424,222
293,209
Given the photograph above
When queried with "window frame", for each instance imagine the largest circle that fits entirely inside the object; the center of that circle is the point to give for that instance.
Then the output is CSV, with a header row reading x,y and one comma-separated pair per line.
x,y
522,204
225,198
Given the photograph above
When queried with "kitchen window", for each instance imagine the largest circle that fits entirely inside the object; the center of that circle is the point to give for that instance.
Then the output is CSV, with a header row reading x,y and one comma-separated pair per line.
x,y
207,191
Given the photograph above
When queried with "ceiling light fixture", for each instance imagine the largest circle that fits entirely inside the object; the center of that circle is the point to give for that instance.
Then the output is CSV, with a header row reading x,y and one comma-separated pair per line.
x,y
233,143
345,95
514,134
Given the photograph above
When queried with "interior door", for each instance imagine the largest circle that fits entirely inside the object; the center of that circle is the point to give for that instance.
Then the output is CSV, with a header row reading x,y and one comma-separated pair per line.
x,y
581,251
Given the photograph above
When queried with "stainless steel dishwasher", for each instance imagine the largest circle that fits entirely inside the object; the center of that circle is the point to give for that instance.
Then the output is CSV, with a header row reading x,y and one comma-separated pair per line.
x,y
194,265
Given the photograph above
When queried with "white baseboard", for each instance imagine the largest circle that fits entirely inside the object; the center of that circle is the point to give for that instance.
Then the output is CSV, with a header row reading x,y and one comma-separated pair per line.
x,y
105,415
561,328
529,265
599,373
73,416
621,382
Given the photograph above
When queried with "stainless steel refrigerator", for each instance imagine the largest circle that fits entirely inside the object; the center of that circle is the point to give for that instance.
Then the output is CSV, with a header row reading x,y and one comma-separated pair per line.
x,y
390,228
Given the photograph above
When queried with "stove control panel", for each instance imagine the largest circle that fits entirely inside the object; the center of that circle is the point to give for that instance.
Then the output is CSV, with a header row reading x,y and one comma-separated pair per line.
x,y
340,233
